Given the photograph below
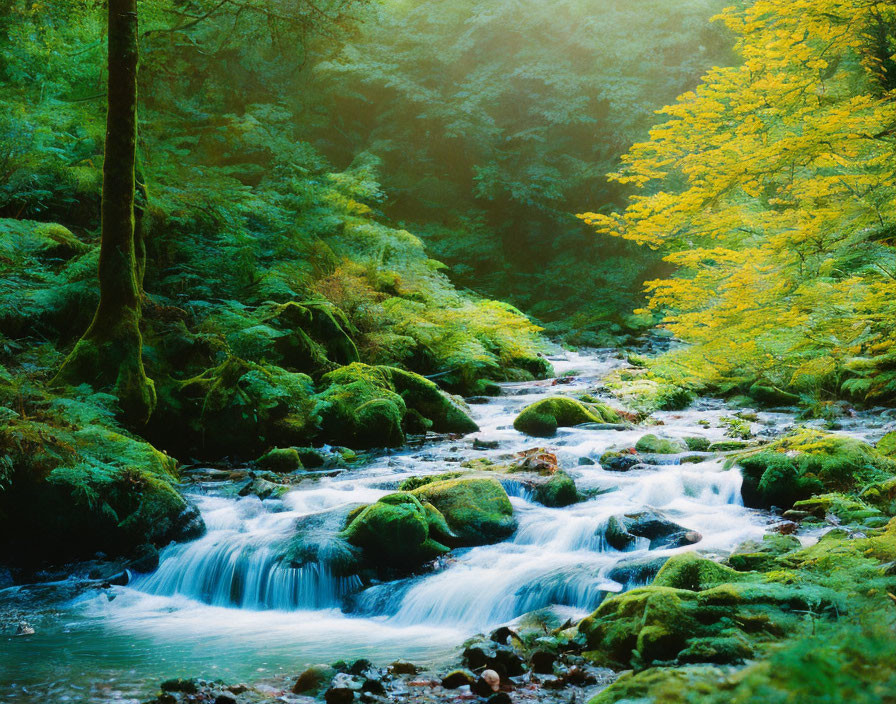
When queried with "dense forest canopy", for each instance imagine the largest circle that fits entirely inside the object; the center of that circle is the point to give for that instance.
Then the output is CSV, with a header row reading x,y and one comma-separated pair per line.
x,y
493,121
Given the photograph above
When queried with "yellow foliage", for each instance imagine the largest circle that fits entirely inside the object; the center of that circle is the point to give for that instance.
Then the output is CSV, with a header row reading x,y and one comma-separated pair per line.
x,y
771,187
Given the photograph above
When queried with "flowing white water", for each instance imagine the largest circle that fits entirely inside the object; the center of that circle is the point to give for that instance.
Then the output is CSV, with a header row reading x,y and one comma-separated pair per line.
x,y
225,604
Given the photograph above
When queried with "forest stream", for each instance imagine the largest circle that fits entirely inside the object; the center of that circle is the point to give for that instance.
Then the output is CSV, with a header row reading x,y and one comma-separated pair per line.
x,y
224,606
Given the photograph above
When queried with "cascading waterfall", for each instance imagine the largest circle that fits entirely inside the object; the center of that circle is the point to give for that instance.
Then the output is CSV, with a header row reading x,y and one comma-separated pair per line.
x,y
230,592
557,556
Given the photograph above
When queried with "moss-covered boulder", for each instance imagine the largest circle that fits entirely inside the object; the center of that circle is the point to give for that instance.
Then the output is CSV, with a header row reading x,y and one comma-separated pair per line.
x,y
394,531
236,408
558,491
809,462
655,445
316,334
770,395
542,418
697,610
477,510
69,490
752,555
364,406
844,508
286,459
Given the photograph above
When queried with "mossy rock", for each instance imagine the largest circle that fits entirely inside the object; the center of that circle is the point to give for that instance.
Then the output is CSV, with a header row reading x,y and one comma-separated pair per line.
x,y
846,509
285,459
770,395
477,510
237,408
542,418
557,492
394,531
317,334
655,445
620,461
809,462
728,446
663,684
694,573
364,406
71,492
752,555
446,413
697,444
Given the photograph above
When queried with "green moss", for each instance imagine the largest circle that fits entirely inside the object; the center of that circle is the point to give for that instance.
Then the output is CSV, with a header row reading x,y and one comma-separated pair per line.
x,y
655,445
416,482
645,393
728,446
689,571
75,488
317,335
281,460
394,531
365,406
477,510
560,490
808,462
763,555
887,445
235,408
543,417
882,495
772,395
664,686
697,444
846,509
446,413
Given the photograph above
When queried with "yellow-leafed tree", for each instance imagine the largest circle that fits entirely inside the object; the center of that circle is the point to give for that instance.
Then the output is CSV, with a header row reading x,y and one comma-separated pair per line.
x,y
772,189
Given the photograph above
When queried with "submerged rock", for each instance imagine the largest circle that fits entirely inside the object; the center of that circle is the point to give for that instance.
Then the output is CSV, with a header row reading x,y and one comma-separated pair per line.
x,y
458,678
620,461
623,531
314,680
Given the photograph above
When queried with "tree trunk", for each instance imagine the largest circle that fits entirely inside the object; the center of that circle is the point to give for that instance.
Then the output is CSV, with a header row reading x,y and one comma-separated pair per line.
x,y
110,352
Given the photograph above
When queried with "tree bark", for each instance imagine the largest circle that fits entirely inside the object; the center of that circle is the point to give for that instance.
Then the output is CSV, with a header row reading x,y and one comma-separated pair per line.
x,y
110,352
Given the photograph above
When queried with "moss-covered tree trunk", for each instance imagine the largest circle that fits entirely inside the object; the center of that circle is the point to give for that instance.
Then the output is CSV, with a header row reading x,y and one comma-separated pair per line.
x,y
109,353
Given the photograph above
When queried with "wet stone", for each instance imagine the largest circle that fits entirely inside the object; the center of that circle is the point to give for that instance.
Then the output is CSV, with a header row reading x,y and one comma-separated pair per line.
x,y
542,662
458,678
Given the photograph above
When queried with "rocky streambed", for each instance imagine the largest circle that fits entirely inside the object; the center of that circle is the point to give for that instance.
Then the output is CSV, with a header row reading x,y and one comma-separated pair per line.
x,y
236,605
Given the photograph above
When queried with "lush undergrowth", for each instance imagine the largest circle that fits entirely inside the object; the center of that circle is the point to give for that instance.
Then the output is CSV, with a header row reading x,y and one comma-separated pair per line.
x,y
265,272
